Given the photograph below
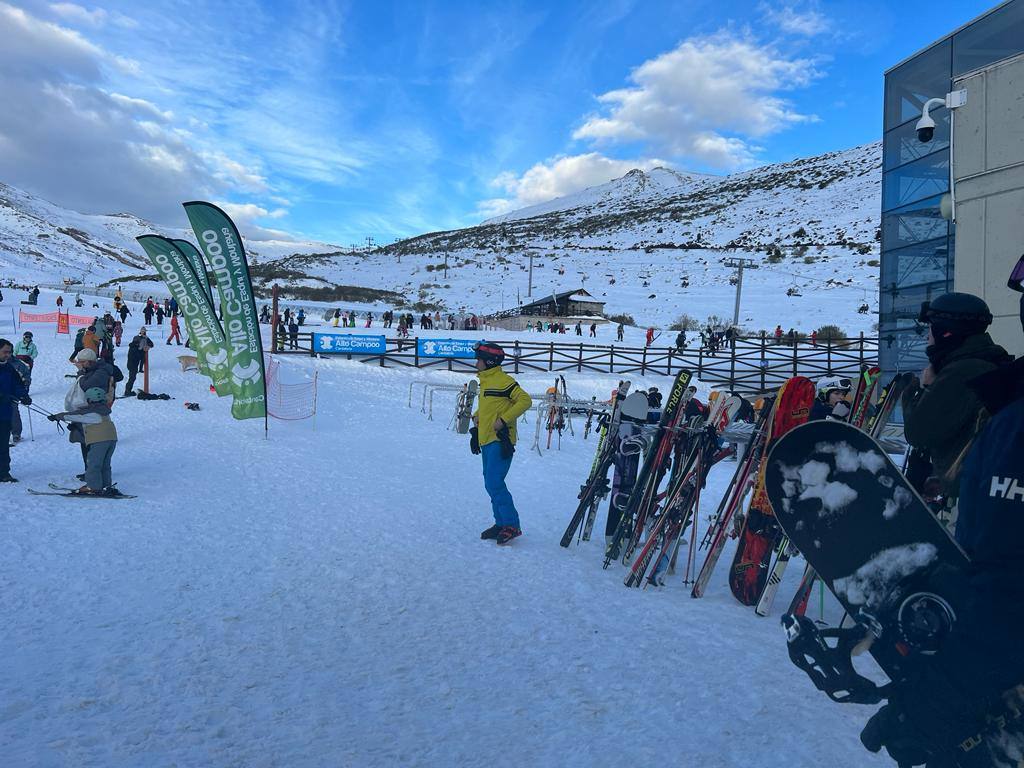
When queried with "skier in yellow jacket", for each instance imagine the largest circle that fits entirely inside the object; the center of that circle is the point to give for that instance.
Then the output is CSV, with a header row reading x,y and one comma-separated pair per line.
x,y
500,403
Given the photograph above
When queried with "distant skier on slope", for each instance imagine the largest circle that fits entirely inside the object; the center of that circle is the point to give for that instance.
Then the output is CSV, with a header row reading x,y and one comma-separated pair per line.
x,y
500,403
650,336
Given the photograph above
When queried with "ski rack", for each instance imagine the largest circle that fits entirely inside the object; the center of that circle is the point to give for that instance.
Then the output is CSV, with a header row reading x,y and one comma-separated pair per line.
x,y
542,405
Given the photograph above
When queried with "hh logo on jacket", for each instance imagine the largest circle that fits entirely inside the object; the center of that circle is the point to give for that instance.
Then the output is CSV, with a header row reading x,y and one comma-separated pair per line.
x,y
1008,488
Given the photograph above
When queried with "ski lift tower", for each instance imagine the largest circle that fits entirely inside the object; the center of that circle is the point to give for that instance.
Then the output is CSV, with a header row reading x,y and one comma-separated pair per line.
x,y
739,265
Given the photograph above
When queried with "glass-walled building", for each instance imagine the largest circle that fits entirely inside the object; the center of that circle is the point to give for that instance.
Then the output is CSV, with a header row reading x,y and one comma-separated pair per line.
x,y
917,242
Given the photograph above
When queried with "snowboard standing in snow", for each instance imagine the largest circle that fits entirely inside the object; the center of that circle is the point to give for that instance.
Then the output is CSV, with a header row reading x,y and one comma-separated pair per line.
x,y
897,572
465,408
759,533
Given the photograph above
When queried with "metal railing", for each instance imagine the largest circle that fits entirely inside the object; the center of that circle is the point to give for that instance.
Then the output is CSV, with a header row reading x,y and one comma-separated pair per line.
x,y
747,364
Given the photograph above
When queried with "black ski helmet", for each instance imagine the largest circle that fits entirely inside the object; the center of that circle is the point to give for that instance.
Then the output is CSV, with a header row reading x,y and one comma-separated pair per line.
x,y
492,354
954,313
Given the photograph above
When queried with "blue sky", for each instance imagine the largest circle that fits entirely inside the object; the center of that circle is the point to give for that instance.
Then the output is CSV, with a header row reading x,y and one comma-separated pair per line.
x,y
336,121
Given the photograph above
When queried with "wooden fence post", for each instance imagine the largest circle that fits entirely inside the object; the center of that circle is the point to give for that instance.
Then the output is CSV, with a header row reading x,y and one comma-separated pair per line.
x,y
700,362
515,347
415,352
611,359
796,357
669,371
551,356
862,350
579,363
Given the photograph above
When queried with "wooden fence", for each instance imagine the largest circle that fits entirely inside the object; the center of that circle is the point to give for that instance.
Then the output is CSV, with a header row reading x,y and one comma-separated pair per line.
x,y
748,364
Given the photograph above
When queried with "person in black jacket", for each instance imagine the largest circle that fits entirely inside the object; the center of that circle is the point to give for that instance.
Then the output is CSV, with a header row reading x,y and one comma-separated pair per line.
x,y
13,389
940,412
136,359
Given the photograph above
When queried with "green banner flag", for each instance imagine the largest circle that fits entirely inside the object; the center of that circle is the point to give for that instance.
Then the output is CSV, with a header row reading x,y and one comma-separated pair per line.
x,y
196,259
204,330
222,246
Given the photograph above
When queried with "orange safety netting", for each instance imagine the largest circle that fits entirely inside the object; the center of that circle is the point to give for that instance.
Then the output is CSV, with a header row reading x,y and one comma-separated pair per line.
x,y
52,317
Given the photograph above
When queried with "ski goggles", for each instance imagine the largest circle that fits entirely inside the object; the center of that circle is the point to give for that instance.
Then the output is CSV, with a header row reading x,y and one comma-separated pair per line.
x,y
1016,281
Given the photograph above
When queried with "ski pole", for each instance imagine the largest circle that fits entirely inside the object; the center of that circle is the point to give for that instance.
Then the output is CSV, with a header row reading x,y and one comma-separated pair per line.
x,y
31,431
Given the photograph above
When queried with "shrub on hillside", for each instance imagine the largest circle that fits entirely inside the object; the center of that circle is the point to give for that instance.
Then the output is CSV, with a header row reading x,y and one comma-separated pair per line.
x,y
622,318
832,333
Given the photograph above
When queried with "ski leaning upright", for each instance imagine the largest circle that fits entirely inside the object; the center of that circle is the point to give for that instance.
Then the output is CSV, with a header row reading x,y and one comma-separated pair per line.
x,y
596,486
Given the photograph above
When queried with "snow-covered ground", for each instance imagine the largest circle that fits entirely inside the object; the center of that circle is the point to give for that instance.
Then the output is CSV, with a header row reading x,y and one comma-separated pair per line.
x,y
322,598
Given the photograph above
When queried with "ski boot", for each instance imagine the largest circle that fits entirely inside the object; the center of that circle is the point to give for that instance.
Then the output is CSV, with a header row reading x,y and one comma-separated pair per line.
x,y
507,533
491,533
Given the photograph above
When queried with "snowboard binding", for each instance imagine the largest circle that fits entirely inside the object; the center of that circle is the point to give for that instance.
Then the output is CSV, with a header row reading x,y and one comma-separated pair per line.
x,y
830,666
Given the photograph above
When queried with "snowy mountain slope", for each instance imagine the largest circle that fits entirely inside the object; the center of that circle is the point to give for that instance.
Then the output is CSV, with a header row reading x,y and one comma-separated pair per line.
x,y
811,225
43,243
652,245
634,188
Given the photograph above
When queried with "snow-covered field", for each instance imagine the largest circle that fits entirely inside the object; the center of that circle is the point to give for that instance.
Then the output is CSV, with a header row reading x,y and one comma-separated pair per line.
x,y
322,598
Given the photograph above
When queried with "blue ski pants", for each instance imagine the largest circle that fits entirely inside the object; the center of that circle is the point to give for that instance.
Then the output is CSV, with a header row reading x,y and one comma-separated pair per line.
x,y
495,469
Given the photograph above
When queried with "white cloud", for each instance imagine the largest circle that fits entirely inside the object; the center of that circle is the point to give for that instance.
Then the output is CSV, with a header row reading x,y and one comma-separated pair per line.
x,y
704,100
72,13
808,22
77,142
247,215
558,177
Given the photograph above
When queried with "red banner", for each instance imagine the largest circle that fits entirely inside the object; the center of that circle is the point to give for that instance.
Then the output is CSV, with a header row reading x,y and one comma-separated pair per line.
x,y
53,317
63,326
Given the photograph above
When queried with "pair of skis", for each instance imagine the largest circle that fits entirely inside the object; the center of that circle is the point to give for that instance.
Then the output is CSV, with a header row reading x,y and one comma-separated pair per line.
x,y
59,490
596,486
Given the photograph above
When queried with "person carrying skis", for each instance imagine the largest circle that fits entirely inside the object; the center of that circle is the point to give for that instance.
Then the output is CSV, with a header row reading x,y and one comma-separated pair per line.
x,y
831,401
175,330
939,410
137,350
13,390
500,403
87,405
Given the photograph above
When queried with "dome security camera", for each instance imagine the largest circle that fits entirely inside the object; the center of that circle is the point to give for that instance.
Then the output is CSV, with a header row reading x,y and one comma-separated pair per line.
x,y
925,129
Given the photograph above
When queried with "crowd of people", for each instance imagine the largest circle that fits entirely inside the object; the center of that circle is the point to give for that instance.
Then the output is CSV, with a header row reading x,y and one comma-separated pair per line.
x,y
88,403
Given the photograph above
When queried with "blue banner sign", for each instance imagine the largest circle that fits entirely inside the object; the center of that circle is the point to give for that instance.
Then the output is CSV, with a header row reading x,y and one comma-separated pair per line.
x,y
461,348
348,344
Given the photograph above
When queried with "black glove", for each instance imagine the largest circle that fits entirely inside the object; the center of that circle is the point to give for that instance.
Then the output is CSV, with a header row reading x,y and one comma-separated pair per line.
x,y
54,417
26,400
474,440
507,447
889,728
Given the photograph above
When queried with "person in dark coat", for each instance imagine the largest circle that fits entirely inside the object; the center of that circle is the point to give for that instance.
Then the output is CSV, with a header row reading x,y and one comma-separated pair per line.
x,y
124,312
939,411
136,358
13,390
974,678
148,310
159,314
